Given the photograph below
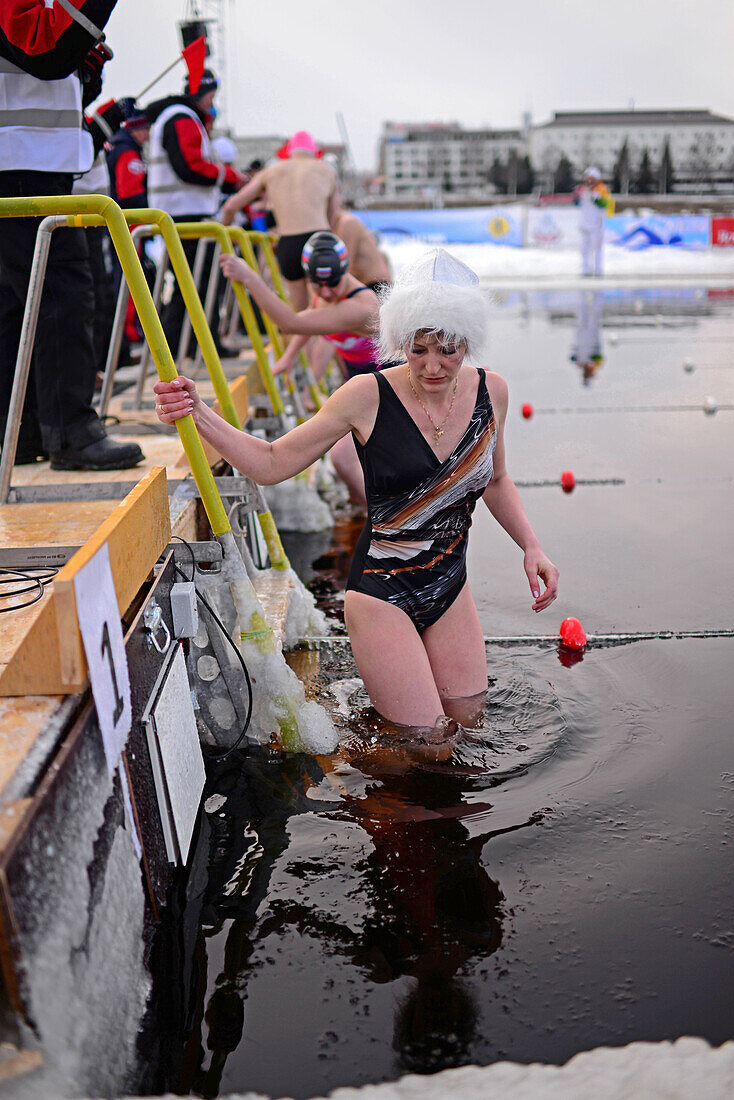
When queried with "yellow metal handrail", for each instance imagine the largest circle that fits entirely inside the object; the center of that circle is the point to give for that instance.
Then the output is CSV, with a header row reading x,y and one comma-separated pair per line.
x,y
265,241
75,207
221,233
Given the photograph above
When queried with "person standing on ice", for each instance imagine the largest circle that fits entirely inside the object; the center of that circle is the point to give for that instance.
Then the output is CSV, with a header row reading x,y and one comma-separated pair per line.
x,y
185,179
51,62
429,433
302,193
595,203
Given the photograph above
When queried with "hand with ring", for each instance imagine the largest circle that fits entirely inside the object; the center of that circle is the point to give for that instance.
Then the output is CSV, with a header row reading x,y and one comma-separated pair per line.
x,y
176,399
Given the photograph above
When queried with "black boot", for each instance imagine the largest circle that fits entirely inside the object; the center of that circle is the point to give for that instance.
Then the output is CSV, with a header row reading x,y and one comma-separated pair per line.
x,y
103,454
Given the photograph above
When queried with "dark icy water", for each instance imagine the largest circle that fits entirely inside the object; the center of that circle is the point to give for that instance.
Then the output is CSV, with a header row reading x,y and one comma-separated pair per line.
x,y
565,880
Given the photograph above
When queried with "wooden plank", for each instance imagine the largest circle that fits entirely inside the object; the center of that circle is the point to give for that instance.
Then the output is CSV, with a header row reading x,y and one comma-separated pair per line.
x,y
241,399
159,450
21,721
10,815
49,659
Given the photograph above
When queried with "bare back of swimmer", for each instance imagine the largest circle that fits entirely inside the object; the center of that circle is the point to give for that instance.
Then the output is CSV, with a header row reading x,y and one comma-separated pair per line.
x,y
301,191
366,262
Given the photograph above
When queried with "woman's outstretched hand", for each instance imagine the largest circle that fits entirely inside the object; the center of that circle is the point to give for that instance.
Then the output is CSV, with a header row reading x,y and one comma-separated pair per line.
x,y
175,399
539,567
235,268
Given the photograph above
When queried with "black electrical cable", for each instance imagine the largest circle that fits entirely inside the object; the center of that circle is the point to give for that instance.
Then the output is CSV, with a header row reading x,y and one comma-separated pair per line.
x,y
36,575
149,425
218,757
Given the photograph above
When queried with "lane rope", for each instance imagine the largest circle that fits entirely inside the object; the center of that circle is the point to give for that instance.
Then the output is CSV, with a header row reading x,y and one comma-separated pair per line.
x,y
592,639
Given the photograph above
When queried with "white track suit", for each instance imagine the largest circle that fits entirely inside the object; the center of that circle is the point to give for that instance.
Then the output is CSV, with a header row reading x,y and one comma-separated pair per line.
x,y
591,226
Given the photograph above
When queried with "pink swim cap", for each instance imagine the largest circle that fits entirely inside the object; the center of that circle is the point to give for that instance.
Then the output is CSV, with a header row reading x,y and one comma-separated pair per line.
x,y
302,142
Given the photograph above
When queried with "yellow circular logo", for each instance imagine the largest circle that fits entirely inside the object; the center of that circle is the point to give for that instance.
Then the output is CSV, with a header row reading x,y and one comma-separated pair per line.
x,y
498,226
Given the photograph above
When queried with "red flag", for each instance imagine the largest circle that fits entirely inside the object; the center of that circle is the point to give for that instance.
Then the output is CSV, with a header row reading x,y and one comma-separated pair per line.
x,y
194,55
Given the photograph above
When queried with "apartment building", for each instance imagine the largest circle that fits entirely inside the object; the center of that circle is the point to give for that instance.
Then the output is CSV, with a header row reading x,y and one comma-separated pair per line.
x,y
701,145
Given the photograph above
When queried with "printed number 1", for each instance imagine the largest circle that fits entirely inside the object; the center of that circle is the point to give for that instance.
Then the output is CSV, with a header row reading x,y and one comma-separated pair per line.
x,y
107,645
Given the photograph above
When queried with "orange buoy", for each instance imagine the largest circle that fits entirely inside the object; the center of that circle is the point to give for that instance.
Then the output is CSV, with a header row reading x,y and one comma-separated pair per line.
x,y
568,481
527,410
572,634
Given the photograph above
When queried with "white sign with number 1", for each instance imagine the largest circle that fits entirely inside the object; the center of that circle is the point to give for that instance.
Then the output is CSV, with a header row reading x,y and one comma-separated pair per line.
x,y
99,623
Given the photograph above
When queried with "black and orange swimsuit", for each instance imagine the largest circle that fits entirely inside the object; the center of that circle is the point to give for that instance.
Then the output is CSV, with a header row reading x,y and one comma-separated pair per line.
x,y
412,550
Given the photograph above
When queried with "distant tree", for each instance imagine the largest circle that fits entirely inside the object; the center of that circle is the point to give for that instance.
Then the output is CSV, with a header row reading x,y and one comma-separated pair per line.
x,y
702,160
666,178
525,177
644,181
498,175
563,182
512,172
621,174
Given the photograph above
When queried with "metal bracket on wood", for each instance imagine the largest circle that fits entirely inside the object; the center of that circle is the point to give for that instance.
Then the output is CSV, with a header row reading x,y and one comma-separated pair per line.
x,y
53,557
185,489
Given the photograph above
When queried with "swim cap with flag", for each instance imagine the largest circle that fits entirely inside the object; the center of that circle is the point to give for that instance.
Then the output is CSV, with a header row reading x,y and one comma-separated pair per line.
x,y
324,258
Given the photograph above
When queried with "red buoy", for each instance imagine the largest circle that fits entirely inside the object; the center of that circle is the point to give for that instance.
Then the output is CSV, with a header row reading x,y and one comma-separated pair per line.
x,y
568,481
572,634
527,410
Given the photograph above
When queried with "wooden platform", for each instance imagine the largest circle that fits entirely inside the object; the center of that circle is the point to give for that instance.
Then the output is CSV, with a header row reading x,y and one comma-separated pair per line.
x,y
63,523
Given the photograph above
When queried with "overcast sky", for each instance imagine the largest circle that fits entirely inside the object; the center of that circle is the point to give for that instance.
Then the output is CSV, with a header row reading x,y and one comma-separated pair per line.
x,y
292,64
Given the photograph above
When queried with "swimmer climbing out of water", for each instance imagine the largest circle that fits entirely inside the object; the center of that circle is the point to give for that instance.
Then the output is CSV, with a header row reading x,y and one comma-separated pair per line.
x,y
344,312
429,434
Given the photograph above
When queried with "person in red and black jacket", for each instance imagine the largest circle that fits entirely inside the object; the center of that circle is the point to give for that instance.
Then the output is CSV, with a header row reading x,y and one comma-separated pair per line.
x,y
127,168
184,178
52,68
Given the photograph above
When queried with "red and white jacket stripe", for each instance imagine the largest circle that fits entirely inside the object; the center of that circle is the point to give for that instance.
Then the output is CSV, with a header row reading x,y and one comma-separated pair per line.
x,y
40,94
183,177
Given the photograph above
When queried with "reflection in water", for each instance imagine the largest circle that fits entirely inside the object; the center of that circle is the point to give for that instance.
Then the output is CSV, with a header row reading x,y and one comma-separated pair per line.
x,y
436,908
433,906
569,657
431,915
587,351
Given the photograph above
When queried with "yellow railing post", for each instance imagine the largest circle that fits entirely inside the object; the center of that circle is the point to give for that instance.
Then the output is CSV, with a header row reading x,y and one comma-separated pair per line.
x,y
163,224
74,207
266,244
222,234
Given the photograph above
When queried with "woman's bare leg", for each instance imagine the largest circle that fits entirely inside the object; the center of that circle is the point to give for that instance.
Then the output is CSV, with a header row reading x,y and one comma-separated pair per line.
x,y
297,292
346,463
392,661
320,354
455,649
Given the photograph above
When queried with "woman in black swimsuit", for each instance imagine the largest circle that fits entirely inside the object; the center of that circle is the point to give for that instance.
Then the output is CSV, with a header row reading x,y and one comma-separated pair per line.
x,y
429,435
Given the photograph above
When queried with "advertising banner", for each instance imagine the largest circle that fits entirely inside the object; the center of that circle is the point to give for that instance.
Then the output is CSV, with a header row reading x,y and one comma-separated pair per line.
x,y
544,227
722,232
474,225
553,227
559,228
690,231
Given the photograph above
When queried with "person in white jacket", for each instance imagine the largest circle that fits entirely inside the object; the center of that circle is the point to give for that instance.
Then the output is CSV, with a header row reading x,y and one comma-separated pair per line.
x,y
593,200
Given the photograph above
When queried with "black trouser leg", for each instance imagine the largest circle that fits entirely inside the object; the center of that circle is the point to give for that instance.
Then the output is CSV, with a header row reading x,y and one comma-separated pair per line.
x,y
63,359
11,320
173,313
104,298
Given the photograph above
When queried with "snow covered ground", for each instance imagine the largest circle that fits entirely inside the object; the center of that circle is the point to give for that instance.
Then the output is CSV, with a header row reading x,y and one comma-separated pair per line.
x,y
502,265
653,1071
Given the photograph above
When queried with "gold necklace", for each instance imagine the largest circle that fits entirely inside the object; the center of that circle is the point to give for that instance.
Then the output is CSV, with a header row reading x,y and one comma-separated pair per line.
x,y
437,428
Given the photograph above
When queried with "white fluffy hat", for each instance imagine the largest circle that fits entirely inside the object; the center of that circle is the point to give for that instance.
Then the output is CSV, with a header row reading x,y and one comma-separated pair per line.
x,y
593,172
436,293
